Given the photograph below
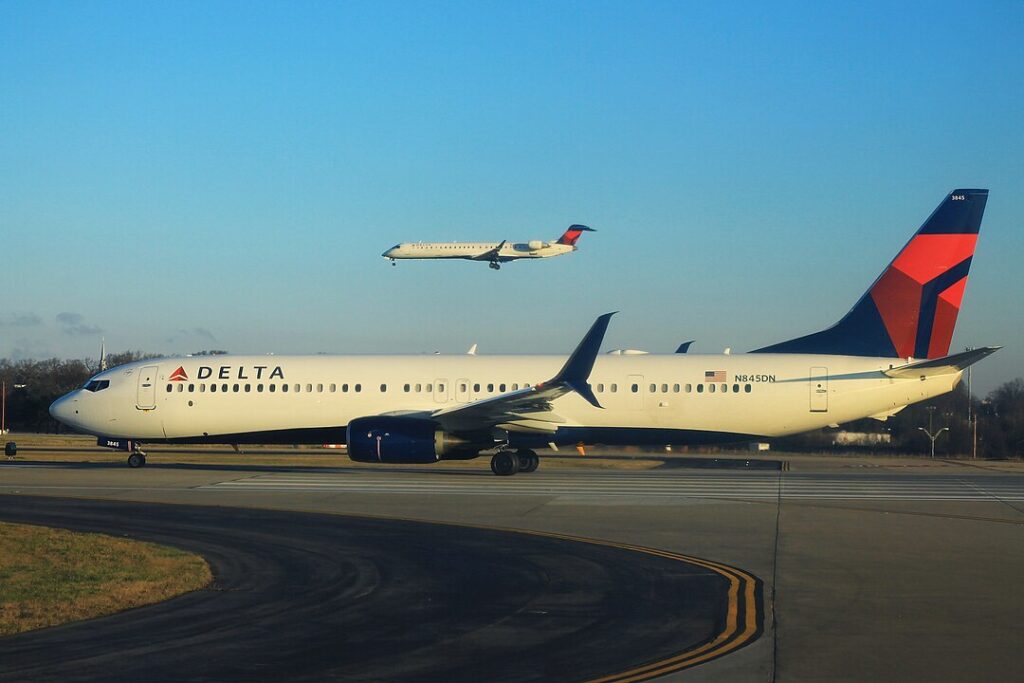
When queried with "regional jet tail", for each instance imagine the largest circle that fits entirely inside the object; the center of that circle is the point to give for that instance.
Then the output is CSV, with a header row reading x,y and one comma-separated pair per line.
x,y
494,253
888,352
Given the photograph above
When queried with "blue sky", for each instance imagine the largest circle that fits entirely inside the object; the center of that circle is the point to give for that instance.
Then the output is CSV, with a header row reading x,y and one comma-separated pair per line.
x,y
181,176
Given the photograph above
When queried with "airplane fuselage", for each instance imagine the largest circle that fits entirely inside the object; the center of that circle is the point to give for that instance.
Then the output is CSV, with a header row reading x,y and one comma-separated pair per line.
x,y
656,399
478,251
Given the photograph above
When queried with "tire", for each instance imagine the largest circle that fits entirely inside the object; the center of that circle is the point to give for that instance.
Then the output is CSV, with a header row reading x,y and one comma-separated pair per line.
x,y
504,463
528,460
136,460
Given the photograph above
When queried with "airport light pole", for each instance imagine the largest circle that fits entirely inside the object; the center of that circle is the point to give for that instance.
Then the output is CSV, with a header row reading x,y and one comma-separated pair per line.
x,y
932,435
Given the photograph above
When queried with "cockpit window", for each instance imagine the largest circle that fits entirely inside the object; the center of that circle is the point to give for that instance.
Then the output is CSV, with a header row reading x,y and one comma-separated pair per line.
x,y
95,385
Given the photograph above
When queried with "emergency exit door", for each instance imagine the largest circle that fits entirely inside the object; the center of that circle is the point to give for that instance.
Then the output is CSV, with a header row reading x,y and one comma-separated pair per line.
x,y
819,389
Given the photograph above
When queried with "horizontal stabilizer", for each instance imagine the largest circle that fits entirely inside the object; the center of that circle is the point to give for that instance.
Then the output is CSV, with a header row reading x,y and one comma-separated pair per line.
x,y
946,365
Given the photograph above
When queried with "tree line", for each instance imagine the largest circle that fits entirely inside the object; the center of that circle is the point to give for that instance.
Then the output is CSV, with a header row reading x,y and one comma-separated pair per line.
x,y
998,419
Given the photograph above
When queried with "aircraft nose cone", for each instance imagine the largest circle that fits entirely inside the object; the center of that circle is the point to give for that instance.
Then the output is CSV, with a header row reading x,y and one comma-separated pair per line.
x,y
63,410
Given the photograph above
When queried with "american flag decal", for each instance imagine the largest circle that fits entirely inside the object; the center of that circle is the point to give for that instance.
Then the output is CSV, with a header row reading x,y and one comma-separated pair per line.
x,y
714,376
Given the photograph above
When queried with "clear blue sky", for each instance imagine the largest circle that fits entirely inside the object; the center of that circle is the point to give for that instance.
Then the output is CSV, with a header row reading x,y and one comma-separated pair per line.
x,y
181,176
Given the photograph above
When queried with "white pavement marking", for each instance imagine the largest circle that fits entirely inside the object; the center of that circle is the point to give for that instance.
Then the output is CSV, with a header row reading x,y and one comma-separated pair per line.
x,y
675,484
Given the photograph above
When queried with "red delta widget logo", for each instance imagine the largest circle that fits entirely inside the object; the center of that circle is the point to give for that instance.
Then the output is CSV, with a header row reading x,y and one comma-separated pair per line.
x,y
178,375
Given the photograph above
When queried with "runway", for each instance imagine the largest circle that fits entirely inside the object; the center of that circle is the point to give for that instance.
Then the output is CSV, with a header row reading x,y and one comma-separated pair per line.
x,y
320,597
657,484
872,569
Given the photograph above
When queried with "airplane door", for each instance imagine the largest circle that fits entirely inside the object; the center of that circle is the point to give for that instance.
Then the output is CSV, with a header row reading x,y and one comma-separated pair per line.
x,y
440,391
635,392
146,399
819,389
462,391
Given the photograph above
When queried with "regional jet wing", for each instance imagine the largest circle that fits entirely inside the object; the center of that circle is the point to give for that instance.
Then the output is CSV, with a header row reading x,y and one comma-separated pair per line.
x,y
530,409
946,365
492,254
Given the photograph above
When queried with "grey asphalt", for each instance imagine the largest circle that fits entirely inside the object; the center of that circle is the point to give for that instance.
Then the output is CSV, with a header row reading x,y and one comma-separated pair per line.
x,y
884,572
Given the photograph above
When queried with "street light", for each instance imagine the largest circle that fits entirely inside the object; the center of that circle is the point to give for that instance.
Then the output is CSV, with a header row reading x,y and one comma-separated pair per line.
x,y
932,435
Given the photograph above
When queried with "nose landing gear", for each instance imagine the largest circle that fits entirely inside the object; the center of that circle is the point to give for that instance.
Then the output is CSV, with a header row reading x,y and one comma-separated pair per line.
x,y
137,458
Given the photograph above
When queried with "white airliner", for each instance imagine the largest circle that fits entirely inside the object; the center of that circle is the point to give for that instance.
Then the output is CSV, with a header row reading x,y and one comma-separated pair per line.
x,y
889,351
494,253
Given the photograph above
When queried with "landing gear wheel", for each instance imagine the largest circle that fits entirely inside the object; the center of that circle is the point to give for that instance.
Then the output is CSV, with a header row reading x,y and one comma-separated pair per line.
x,y
136,460
504,463
528,460
495,265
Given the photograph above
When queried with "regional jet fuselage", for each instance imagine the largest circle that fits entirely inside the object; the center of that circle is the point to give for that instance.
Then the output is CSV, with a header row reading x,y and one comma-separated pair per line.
x,y
494,253
889,351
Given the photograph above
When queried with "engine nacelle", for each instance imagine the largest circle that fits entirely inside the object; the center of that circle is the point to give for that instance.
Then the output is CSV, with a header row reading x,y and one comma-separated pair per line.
x,y
535,245
404,440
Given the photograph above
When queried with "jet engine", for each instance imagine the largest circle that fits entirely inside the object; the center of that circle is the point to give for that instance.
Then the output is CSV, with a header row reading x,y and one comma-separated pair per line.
x,y
535,245
405,440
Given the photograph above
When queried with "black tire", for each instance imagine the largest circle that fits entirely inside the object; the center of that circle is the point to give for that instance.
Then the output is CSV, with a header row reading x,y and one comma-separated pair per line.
x,y
528,460
10,449
136,460
504,463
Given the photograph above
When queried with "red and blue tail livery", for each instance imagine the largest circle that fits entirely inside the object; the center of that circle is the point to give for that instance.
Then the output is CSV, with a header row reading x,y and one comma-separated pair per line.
x,y
911,309
573,233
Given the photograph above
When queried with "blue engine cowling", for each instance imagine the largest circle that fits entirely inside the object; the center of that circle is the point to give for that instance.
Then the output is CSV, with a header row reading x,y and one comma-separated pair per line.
x,y
392,440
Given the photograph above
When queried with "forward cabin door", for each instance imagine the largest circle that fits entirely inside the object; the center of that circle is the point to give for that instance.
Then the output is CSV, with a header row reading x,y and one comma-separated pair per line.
x,y
819,389
146,399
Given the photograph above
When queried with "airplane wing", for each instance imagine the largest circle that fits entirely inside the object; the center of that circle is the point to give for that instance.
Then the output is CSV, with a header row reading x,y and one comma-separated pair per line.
x,y
946,365
530,409
492,254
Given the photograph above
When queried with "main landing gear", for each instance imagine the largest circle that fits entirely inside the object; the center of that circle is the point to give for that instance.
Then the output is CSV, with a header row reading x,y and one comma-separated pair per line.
x,y
137,458
495,265
507,462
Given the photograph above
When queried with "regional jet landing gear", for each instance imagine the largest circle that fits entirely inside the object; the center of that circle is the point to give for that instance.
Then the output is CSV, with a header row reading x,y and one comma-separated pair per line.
x,y
137,458
495,265
507,462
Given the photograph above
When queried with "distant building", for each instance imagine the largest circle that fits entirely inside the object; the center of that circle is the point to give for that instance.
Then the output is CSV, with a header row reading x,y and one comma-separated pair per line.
x,y
861,439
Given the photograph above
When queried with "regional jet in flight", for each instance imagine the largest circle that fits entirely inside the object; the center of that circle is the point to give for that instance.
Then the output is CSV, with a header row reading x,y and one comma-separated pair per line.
x,y
494,253
890,350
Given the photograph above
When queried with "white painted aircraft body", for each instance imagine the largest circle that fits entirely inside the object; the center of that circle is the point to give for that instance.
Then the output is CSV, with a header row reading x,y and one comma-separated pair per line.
x,y
494,253
882,356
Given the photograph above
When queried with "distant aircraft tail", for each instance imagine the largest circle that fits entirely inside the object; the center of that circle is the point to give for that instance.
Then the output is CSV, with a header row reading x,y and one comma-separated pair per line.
x,y
573,233
911,309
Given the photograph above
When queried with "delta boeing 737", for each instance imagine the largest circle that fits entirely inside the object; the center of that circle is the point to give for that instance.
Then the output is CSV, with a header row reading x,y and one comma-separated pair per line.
x,y
890,350
494,253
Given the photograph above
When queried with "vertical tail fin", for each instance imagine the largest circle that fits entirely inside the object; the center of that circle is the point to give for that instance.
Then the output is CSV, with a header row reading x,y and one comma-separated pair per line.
x,y
911,309
573,233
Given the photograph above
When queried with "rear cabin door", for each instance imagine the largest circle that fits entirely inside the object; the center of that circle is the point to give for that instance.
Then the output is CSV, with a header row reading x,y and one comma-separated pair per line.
x,y
819,389
146,399
635,392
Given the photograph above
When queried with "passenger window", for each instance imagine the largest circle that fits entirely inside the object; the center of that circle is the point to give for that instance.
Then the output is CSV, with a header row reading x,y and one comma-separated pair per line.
x,y
429,388
419,388
169,388
600,388
440,388
664,388
654,388
333,388
615,387
711,388
358,387
383,388
234,388
213,388
490,388
272,388
309,388
634,388
746,388
319,388
462,387
298,388
501,388
202,388
284,388
405,388
191,388
675,388
248,388
725,388
344,388
181,388
515,387
224,388
476,388
700,388
735,388
259,388
688,388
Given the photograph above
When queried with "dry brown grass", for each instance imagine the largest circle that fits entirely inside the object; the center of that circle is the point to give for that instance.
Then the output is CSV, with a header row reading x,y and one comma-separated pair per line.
x,y
52,576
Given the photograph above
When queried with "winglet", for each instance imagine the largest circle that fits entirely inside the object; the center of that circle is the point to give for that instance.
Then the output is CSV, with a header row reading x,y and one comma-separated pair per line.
x,y
576,370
